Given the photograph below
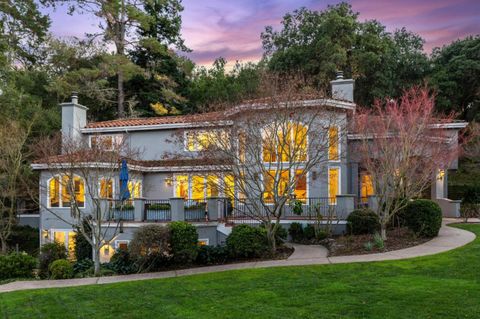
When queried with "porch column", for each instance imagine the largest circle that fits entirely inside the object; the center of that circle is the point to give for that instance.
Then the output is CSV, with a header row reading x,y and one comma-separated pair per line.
x,y
138,209
345,205
177,208
216,207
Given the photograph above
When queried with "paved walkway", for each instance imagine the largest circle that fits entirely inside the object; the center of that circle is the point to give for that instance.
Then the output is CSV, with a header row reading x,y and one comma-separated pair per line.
x,y
448,238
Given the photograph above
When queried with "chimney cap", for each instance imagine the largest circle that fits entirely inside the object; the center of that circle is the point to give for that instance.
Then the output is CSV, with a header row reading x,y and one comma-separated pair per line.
x,y
339,75
74,97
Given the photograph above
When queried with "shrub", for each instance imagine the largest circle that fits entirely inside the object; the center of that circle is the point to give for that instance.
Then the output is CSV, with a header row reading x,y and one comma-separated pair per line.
x,y
378,241
83,249
122,263
17,265
211,255
362,221
309,232
82,267
26,238
423,217
150,239
61,269
296,232
321,234
281,234
183,242
48,254
159,206
247,242
296,207
470,207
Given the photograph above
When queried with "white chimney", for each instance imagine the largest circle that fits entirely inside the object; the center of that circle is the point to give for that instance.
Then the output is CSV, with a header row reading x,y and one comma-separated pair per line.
x,y
74,118
342,89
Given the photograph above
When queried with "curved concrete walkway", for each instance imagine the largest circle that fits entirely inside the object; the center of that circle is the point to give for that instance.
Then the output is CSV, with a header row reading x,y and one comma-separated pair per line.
x,y
448,239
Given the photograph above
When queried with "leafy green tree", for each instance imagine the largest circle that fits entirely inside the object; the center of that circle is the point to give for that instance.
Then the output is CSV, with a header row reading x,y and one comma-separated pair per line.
x,y
456,77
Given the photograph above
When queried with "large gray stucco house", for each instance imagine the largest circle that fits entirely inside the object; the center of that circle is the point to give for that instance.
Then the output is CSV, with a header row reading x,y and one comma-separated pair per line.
x,y
156,181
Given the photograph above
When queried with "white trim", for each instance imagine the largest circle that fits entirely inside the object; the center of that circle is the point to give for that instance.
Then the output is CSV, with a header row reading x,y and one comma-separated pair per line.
x,y
454,125
138,168
60,202
66,231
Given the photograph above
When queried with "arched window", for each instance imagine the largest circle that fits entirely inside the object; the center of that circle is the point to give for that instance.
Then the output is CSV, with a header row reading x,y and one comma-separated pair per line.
x,y
62,188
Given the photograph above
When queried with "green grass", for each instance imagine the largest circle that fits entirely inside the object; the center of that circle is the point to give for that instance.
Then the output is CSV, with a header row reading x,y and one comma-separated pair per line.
x,y
440,286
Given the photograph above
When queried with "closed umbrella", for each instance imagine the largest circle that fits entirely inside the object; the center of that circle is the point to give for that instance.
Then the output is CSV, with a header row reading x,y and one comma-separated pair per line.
x,y
124,192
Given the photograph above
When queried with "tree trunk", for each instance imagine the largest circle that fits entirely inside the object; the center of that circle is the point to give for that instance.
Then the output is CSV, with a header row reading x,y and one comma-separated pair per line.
x,y
271,239
121,95
96,261
4,246
383,231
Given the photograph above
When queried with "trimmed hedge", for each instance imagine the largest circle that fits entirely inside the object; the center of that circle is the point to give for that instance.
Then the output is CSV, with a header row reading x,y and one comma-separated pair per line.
x,y
362,221
183,242
247,242
423,217
61,269
17,265
211,255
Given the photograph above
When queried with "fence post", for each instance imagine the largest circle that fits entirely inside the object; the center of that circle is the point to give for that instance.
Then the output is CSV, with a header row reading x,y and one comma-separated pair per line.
x,y
373,203
216,208
138,209
345,205
177,208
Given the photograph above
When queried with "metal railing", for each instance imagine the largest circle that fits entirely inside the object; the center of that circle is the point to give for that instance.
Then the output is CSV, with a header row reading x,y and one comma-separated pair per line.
x,y
195,210
121,210
158,210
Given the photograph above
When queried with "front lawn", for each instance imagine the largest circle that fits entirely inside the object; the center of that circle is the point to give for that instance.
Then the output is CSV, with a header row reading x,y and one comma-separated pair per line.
x,y
440,286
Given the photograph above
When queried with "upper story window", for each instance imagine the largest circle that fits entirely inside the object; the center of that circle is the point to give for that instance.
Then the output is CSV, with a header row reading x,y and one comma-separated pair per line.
x,y
106,142
62,188
333,144
285,144
199,140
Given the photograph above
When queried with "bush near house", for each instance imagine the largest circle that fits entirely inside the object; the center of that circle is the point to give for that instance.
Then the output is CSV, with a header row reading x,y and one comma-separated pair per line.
x,y
150,248
17,265
211,255
470,207
247,242
423,217
48,254
183,242
61,269
362,221
296,232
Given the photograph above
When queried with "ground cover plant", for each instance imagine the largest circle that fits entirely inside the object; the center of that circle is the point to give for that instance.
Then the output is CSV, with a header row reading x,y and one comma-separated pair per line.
x,y
437,286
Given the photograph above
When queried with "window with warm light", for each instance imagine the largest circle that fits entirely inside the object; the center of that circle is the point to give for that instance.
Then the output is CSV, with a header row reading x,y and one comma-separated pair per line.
x,y
181,186
333,184
289,143
66,238
106,188
366,188
282,180
106,142
199,187
200,140
135,189
61,189
333,149
212,186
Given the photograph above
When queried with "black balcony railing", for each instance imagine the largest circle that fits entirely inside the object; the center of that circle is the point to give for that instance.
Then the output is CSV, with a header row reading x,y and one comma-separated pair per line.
x,y
157,210
195,210
121,210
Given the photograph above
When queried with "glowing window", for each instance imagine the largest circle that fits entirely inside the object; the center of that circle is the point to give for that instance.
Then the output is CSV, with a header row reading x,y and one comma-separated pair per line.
x,y
202,242
66,238
212,186
106,188
333,144
181,186
333,184
289,143
135,189
60,191
198,187
282,181
229,186
105,142
301,186
366,187
200,140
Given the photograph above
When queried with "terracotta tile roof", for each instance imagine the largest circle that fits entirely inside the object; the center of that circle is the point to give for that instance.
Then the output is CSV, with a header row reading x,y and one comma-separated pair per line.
x,y
190,118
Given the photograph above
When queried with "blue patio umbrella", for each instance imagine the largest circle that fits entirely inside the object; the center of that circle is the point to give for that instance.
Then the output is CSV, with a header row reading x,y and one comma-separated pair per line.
x,y
124,192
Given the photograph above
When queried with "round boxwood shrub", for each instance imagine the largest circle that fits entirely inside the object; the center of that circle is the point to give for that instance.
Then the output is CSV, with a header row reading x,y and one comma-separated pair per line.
x,y
48,254
296,232
309,232
61,269
362,221
423,217
247,242
183,242
17,265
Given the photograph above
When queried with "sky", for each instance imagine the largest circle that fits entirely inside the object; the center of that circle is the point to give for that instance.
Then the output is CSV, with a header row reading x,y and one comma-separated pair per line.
x,y
231,28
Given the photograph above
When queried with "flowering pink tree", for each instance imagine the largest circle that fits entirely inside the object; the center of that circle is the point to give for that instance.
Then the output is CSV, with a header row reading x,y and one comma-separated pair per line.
x,y
402,144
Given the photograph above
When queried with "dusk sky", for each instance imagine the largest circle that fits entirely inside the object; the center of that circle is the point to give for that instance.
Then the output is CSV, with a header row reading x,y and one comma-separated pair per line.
x,y
231,29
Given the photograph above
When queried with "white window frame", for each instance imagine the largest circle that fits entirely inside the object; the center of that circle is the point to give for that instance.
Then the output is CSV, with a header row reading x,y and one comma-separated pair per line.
x,y
221,179
308,144
196,146
307,177
62,230
339,150
117,139
339,181
60,202
100,187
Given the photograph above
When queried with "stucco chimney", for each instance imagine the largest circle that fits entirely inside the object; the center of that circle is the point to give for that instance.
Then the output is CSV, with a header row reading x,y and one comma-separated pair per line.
x,y
342,89
74,118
